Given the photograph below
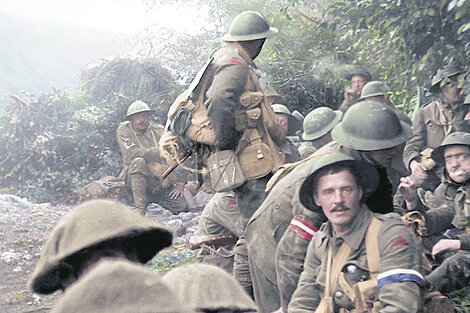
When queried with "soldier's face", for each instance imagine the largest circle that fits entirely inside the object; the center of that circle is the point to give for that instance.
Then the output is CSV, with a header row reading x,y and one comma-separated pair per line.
x,y
140,121
339,196
283,121
358,82
382,158
457,159
453,93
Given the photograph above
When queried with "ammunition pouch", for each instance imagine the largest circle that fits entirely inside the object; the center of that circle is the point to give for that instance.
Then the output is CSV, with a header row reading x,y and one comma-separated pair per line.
x,y
251,99
254,156
366,296
225,172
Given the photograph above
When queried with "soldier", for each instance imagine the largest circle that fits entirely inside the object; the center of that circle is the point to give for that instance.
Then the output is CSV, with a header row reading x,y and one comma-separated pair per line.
x,y
357,259
138,139
290,125
93,230
317,126
243,122
286,223
378,91
449,219
207,288
358,77
434,121
118,286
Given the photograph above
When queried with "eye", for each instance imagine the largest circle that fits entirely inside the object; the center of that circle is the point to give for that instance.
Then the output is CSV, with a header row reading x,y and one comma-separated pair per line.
x,y
348,189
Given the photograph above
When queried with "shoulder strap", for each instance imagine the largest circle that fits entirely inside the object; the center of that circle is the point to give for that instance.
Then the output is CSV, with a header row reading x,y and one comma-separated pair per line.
x,y
372,246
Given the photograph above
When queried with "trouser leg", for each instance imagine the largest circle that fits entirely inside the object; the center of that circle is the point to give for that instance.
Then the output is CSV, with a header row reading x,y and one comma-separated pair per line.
x,y
452,274
139,192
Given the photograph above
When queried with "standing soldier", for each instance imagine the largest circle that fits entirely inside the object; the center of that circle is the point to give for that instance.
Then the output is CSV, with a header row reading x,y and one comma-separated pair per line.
x,y
138,139
247,136
290,125
358,77
434,121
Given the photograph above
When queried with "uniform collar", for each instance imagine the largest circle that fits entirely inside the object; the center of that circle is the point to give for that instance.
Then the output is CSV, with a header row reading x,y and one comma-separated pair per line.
x,y
243,53
356,233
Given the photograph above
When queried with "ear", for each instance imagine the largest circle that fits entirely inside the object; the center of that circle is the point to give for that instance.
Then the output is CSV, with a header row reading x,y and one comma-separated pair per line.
x,y
315,199
361,193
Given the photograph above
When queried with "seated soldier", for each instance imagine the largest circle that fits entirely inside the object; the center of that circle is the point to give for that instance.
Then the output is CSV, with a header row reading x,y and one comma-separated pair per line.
x,y
451,218
316,129
444,114
358,77
290,125
357,259
143,167
119,286
94,230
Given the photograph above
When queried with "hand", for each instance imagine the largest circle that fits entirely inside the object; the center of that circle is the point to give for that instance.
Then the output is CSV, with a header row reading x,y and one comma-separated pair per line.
x,y
444,245
350,95
177,191
418,169
408,189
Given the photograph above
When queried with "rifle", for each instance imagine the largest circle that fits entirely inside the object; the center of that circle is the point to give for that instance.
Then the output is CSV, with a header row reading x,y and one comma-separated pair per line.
x,y
216,240
186,155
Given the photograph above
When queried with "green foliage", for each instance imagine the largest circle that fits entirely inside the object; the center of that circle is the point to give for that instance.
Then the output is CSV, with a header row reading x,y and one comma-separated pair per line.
x,y
461,300
58,142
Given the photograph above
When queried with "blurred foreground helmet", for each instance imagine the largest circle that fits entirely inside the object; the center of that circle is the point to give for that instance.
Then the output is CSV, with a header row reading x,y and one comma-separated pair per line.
x,y
137,107
374,88
249,25
319,122
369,126
442,73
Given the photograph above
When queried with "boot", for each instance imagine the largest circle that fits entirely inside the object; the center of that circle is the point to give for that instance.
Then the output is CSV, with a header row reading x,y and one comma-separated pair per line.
x,y
139,192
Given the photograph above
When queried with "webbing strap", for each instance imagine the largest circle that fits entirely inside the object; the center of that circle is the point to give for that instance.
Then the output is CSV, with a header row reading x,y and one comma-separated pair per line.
x,y
372,247
443,119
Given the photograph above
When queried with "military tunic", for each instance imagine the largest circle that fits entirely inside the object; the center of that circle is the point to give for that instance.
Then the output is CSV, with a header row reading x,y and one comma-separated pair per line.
x,y
399,278
137,150
431,125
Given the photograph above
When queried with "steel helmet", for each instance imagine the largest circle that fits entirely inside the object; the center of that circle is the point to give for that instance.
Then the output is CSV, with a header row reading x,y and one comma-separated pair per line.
x,y
456,138
359,71
137,107
319,122
442,73
89,226
294,123
374,88
368,176
369,126
249,25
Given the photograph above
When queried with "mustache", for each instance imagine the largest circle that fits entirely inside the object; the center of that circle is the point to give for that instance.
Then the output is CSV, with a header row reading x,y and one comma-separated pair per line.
x,y
340,207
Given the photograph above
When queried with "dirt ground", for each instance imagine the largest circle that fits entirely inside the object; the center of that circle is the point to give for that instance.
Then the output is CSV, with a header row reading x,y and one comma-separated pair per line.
x,y
24,227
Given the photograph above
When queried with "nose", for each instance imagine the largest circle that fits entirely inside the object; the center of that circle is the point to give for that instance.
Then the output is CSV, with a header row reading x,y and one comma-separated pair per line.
x,y
338,196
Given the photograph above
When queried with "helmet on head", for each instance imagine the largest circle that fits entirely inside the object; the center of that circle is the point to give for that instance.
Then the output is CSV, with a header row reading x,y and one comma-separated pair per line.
x,y
374,88
368,176
294,123
442,73
359,71
369,126
137,107
249,25
89,227
319,122
456,138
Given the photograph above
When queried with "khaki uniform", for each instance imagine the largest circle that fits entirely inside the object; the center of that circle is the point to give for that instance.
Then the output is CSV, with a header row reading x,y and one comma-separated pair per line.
x,y
137,150
220,216
277,244
454,271
399,278
431,125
